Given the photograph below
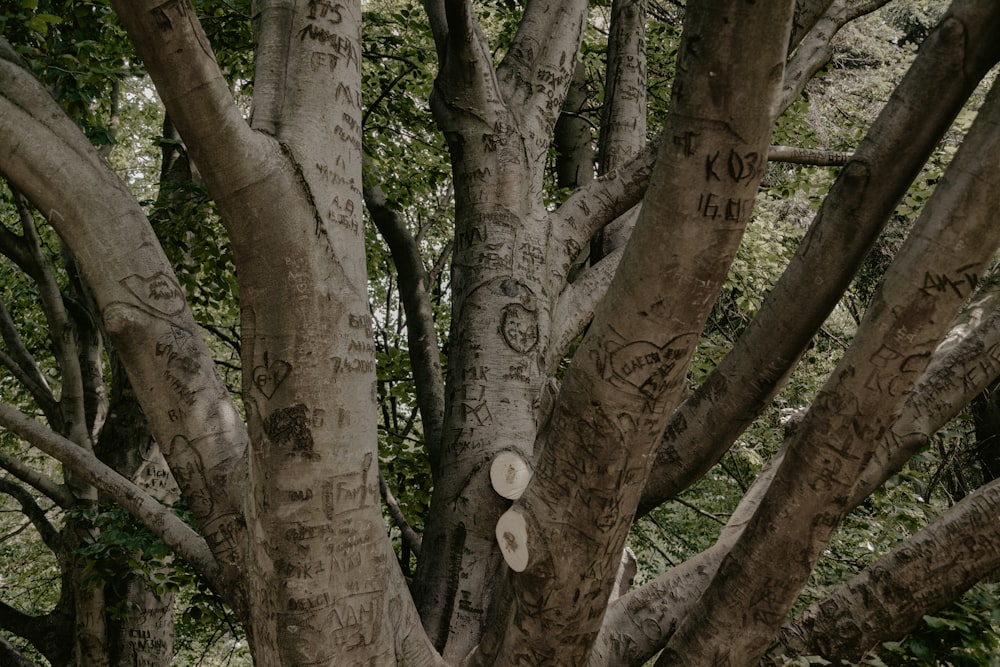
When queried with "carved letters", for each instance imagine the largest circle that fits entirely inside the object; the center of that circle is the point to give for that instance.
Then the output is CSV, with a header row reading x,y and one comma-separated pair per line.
x,y
158,294
651,369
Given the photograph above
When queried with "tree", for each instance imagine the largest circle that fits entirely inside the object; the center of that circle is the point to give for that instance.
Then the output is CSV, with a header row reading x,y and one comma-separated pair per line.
x,y
562,408
116,589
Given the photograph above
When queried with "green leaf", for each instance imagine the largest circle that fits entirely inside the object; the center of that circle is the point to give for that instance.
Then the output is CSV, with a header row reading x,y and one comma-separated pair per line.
x,y
40,22
937,623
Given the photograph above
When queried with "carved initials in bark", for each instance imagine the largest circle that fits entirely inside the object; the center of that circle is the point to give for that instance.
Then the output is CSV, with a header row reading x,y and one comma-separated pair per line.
x,y
270,376
645,366
158,294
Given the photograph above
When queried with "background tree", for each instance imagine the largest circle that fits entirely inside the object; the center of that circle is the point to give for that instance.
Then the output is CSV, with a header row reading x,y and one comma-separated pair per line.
x,y
543,443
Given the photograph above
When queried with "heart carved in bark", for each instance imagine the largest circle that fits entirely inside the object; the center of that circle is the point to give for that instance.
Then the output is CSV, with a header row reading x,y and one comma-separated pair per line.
x,y
651,368
270,376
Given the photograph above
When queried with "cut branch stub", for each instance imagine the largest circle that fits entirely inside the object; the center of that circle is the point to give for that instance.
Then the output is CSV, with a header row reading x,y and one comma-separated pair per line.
x,y
510,475
512,536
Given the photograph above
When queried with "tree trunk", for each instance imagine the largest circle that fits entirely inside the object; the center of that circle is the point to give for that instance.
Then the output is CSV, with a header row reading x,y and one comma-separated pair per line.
x,y
322,585
502,299
90,634
535,487
142,633
572,137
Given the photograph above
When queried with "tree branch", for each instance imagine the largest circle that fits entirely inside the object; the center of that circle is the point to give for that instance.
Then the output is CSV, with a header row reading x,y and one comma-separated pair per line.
x,y
58,493
63,336
466,79
811,156
411,538
425,355
24,625
273,24
160,520
180,61
782,541
816,48
23,92
890,597
807,13
307,73
537,70
438,20
22,366
85,317
623,114
863,8
114,119
144,312
14,247
576,304
962,367
35,514
596,204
